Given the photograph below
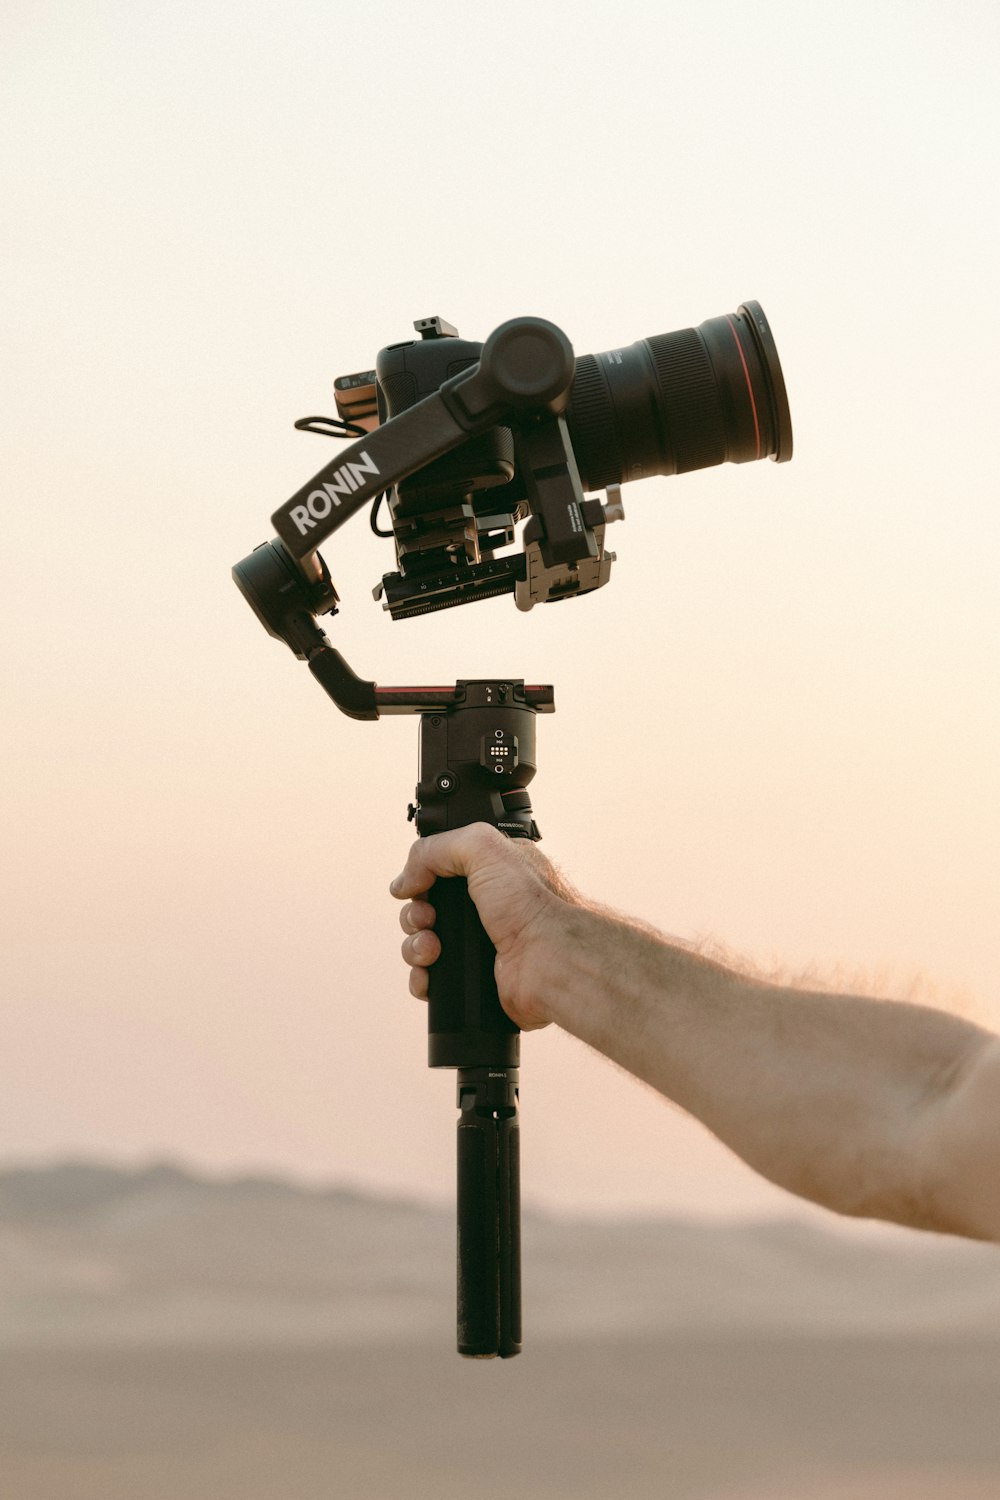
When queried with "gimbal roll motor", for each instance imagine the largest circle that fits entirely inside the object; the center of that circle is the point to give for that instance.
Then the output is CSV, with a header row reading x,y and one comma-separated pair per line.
x,y
484,453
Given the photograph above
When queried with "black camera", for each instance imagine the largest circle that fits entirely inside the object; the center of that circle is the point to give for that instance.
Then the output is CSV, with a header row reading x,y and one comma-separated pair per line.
x,y
469,440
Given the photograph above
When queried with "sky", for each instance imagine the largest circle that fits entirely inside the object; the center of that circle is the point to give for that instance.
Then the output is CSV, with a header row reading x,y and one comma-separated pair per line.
x,y
776,728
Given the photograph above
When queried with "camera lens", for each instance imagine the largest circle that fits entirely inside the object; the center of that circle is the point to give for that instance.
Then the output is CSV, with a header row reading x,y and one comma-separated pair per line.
x,y
679,401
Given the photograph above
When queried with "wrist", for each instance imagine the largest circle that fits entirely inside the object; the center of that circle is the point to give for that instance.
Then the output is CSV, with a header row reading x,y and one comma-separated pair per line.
x,y
564,962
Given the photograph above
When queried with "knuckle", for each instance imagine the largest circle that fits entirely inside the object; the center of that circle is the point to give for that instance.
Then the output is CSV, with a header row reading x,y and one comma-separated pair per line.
x,y
485,836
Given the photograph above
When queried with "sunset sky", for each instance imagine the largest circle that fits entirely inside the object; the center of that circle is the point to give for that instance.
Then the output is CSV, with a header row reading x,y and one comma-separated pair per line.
x,y
777,727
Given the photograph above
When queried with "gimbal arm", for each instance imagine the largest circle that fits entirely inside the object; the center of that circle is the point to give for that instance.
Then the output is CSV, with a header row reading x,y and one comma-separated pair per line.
x,y
526,369
524,376
286,604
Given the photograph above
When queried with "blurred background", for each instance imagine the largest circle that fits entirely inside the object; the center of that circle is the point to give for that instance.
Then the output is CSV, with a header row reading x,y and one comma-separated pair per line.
x,y
776,727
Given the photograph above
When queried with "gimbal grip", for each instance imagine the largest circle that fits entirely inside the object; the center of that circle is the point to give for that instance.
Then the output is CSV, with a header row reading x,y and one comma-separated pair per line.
x,y
467,1025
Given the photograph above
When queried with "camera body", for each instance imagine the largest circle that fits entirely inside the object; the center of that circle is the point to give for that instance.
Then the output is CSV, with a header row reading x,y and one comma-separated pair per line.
x,y
663,405
486,452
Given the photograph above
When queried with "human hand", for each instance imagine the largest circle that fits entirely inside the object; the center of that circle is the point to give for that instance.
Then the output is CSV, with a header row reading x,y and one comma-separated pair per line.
x,y
521,899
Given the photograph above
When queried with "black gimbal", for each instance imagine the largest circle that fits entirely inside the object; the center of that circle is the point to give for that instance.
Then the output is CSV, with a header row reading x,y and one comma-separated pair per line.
x,y
467,441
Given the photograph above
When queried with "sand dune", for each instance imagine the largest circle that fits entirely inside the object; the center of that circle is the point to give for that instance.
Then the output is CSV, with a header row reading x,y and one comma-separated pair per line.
x,y
166,1336
95,1254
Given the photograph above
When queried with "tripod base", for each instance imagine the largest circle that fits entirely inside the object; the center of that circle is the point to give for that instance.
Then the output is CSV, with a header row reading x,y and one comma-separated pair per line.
x,y
489,1216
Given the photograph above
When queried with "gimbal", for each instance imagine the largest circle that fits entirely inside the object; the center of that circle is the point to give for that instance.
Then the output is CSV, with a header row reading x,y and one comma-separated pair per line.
x,y
474,439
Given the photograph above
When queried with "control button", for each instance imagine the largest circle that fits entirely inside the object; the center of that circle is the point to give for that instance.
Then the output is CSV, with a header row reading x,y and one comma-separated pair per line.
x,y
446,782
498,751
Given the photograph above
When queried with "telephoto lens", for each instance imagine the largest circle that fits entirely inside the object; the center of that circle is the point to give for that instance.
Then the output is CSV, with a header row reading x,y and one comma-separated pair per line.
x,y
678,401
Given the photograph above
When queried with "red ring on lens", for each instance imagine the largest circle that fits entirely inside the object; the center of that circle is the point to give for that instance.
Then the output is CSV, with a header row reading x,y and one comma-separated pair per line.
x,y
746,375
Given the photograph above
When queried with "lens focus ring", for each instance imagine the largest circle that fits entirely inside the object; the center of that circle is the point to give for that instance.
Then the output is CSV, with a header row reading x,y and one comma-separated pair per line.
x,y
689,404
593,427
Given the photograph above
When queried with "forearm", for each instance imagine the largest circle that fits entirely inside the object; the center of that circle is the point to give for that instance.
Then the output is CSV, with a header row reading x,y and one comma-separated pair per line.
x,y
872,1108
827,1095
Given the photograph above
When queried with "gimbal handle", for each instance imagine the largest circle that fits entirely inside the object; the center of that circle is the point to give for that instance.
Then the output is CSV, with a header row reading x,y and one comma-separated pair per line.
x,y
476,760
526,369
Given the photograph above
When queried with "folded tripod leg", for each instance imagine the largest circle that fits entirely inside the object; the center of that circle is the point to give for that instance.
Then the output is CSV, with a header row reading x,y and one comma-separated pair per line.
x,y
489,1214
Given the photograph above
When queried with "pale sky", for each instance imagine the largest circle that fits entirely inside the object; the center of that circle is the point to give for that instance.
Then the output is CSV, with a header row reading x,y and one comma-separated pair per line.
x,y
777,726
